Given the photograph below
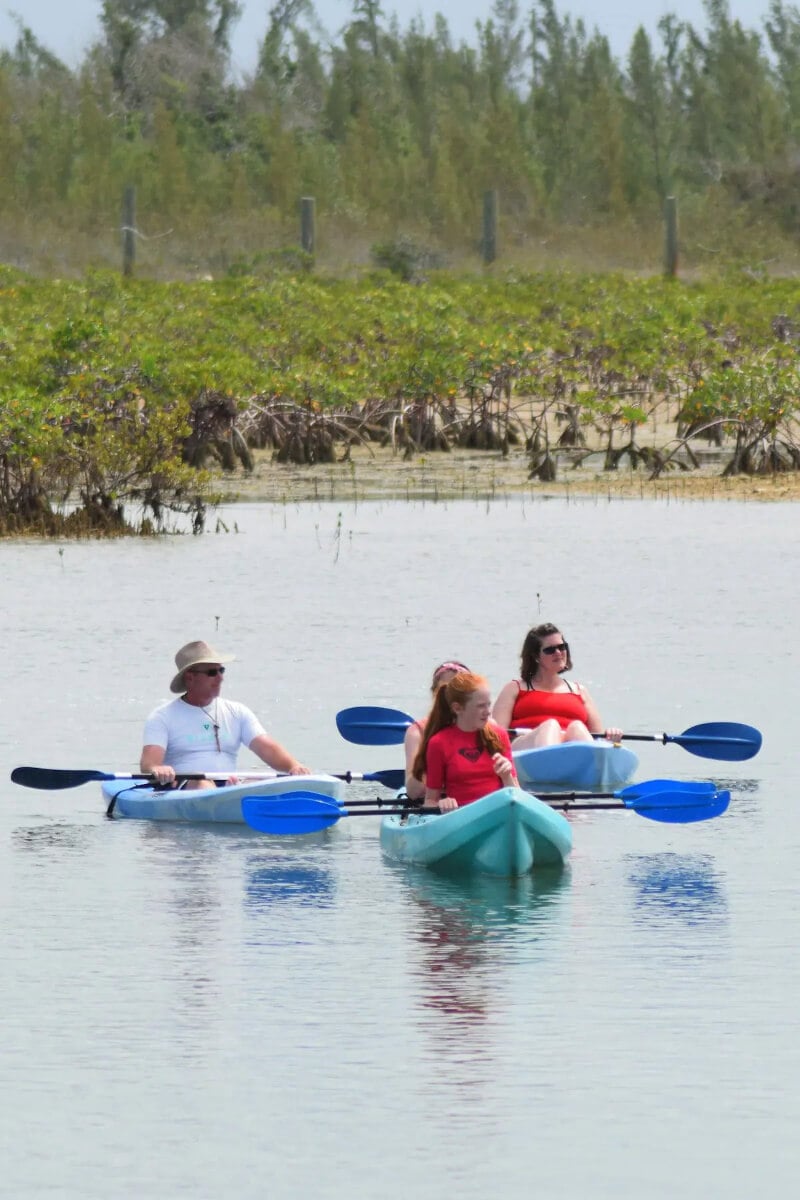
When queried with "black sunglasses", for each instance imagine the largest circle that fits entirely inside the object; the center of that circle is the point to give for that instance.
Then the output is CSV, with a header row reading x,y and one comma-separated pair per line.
x,y
210,671
559,648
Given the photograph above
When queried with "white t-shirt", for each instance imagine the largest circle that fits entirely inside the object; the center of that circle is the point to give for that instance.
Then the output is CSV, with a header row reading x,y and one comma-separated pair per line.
x,y
187,735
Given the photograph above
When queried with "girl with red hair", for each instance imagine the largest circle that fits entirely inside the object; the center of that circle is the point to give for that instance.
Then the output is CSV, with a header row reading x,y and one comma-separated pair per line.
x,y
463,754
415,788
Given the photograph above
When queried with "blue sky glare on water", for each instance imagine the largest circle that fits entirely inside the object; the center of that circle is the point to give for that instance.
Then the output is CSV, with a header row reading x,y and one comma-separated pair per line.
x,y
68,29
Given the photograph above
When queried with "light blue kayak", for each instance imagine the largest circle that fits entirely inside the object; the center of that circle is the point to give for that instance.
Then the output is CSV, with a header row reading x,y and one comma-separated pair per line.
x,y
207,804
588,766
505,833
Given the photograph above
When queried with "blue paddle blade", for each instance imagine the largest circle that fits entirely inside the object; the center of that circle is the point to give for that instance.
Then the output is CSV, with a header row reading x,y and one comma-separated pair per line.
x,y
291,812
371,726
650,787
724,740
681,807
393,778
637,791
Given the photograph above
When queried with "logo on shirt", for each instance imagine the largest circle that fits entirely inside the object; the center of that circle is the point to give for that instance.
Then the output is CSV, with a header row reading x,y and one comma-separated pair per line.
x,y
470,755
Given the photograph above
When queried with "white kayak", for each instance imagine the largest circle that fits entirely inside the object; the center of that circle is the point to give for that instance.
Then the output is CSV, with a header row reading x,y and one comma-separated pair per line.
x,y
206,804
586,765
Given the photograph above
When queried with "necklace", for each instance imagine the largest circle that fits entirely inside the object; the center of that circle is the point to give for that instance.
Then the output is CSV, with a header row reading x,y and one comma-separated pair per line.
x,y
212,719
214,723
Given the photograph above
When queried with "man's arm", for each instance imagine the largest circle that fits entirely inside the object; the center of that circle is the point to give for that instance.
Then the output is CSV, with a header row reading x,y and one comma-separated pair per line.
x,y
276,756
152,763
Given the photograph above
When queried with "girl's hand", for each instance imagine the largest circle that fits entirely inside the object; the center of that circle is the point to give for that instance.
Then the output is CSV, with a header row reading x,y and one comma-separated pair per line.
x,y
613,734
505,769
447,804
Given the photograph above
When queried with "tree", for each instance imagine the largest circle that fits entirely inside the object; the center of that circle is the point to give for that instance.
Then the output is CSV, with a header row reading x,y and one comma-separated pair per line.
x,y
577,98
366,28
154,18
31,60
290,77
648,117
502,49
783,32
150,42
731,110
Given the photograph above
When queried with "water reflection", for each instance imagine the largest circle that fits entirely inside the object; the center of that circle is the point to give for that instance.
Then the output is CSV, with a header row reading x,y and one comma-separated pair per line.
x,y
679,887
186,859
464,929
271,869
306,884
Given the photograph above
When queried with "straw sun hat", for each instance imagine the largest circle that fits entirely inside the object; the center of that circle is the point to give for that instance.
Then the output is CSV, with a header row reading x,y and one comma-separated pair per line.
x,y
191,655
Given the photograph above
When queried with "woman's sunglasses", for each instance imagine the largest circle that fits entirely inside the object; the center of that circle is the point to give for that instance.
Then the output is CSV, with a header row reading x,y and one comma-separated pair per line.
x,y
210,671
559,648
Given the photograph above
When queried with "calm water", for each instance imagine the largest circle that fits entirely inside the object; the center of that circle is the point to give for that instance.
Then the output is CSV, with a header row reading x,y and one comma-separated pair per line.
x,y
207,1013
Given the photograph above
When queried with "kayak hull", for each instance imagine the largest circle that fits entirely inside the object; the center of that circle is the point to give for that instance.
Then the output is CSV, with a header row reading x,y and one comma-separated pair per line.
x,y
220,804
506,833
589,766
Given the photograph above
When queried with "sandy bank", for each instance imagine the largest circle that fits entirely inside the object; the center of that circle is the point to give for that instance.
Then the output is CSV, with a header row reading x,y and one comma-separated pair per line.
x,y
381,473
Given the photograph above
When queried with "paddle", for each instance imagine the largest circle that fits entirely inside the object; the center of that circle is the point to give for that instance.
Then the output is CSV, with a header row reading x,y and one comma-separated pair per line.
x,y
372,726
54,779
309,812
301,812
669,807
722,740
655,796
634,791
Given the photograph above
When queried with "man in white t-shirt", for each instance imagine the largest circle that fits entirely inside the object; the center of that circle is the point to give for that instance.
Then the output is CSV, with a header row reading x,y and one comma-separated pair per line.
x,y
200,732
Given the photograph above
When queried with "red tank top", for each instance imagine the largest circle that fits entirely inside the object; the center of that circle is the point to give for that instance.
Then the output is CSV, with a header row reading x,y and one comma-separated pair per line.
x,y
533,707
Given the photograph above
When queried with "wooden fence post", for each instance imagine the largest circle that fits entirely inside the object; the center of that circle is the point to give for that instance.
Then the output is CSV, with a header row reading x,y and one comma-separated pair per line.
x,y
489,240
308,234
128,229
671,237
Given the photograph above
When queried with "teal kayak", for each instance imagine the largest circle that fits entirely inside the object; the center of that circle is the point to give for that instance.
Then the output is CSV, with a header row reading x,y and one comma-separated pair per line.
x,y
588,766
505,833
208,804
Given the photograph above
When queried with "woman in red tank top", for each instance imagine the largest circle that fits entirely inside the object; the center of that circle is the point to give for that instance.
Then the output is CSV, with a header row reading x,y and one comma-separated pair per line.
x,y
550,708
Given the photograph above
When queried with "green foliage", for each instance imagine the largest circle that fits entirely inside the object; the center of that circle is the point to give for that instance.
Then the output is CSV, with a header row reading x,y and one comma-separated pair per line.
x,y
112,392
405,258
291,259
397,129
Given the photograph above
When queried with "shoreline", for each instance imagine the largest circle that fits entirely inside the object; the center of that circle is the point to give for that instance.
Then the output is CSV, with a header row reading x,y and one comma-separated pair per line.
x,y
382,473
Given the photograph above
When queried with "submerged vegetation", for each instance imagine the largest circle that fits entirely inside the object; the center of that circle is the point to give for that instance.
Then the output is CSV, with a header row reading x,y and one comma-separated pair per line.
x,y
117,395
